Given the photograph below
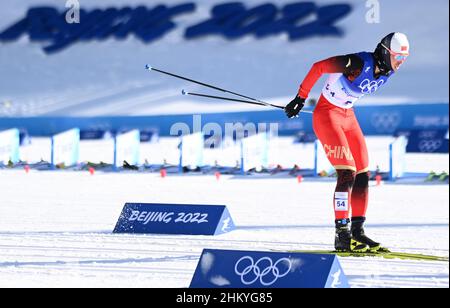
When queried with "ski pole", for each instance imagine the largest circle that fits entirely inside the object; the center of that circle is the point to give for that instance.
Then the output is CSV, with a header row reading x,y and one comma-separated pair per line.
x,y
236,100
148,67
229,99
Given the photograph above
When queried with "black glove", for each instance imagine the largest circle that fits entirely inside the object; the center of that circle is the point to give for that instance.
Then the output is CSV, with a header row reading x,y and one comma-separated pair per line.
x,y
293,108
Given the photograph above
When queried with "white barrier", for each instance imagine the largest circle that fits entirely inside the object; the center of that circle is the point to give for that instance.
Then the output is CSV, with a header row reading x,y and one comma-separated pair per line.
x,y
191,151
397,152
321,162
9,146
255,152
127,148
66,148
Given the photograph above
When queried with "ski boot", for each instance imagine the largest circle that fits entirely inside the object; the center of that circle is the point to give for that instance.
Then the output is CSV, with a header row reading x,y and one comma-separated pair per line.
x,y
358,235
343,241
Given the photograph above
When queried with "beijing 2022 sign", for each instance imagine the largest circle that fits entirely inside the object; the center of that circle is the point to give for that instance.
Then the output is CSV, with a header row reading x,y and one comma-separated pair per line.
x,y
230,20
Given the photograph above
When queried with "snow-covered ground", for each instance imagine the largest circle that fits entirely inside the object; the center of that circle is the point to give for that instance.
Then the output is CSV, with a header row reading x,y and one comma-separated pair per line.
x,y
56,227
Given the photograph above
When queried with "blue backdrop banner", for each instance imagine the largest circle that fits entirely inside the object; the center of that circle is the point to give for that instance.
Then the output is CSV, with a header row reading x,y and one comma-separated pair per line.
x,y
374,120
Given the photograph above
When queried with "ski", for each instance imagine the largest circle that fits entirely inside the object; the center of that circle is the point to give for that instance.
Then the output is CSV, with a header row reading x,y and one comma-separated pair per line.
x,y
385,255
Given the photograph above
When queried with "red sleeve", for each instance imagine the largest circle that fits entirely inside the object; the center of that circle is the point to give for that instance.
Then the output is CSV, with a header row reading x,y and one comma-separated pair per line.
x,y
349,64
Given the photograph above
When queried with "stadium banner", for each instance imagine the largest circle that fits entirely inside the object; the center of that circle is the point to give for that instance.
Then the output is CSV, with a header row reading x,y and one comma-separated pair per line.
x,y
229,20
126,148
375,120
255,152
192,219
427,141
258,269
191,150
9,146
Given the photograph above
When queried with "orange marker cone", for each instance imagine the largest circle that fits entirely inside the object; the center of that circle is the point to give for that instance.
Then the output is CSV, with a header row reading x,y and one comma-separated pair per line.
x,y
299,179
217,176
91,170
27,168
378,179
163,173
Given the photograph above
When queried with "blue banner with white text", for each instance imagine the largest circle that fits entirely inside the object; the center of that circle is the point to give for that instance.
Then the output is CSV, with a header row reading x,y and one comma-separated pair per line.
x,y
174,219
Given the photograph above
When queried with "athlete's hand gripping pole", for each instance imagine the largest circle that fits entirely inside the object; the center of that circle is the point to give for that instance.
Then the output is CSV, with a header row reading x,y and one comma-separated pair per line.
x,y
294,107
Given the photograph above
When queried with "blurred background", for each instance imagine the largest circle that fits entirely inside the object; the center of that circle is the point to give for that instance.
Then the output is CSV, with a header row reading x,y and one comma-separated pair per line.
x,y
81,64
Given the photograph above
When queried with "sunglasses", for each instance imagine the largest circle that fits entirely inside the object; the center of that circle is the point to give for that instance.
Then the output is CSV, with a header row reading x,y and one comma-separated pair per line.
x,y
397,56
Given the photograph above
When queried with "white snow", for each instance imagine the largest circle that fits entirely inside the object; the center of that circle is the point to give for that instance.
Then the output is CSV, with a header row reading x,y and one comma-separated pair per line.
x,y
56,227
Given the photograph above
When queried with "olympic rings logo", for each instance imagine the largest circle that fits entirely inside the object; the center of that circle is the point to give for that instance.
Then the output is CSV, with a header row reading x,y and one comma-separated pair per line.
x,y
264,269
429,146
385,122
368,86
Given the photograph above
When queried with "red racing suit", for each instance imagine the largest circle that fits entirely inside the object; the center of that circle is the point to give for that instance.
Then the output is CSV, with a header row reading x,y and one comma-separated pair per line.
x,y
336,126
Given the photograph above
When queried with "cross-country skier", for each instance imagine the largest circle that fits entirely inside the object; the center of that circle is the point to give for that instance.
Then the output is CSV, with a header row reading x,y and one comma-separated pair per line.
x,y
335,124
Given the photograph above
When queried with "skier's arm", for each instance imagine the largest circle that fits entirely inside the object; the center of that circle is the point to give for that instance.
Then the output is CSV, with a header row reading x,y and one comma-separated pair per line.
x,y
349,65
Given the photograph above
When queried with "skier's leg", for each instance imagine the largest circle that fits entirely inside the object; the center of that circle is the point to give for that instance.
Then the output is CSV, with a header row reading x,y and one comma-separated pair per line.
x,y
328,125
343,240
360,192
